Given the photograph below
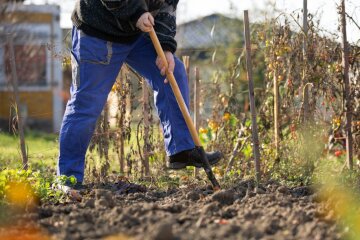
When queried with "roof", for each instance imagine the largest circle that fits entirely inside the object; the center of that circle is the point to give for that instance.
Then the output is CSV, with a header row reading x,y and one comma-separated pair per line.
x,y
208,32
34,8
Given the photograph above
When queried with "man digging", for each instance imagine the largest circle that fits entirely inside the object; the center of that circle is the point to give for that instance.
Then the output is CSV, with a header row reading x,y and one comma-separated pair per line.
x,y
106,34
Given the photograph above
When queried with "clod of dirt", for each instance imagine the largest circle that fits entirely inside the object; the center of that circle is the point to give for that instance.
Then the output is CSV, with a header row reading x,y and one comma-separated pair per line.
x,y
128,220
102,193
249,193
193,196
89,203
210,208
229,212
127,187
162,231
173,208
226,197
104,199
259,190
45,212
102,203
283,190
302,191
252,232
139,196
229,230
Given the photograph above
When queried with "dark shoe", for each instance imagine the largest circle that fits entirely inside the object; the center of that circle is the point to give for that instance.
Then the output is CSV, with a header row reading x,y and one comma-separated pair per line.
x,y
192,158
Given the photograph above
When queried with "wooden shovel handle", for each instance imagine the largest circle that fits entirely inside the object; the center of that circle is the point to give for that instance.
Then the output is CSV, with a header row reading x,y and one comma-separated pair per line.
x,y
185,112
174,86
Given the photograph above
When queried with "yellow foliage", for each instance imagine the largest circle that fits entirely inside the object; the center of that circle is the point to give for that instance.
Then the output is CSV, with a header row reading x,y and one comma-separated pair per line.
x,y
226,116
20,194
213,125
203,130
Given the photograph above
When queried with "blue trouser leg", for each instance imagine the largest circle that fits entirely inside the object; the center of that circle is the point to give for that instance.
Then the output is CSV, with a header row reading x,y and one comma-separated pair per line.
x,y
94,69
176,134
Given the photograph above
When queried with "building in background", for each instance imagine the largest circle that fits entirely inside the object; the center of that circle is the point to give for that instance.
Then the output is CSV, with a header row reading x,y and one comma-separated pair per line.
x,y
36,32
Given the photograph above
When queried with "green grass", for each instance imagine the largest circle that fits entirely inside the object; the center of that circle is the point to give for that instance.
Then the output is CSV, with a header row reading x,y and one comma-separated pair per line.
x,y
42,149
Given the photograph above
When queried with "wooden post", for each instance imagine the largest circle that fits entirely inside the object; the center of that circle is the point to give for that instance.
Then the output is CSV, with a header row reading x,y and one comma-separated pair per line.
x,y
305,26
347,88
145,110
246,105
305,108
255,135
17,102
197,106
276,113
186,61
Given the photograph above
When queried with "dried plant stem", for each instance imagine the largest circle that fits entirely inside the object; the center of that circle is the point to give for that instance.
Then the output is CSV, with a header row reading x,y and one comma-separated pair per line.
x,y
17,101
146,127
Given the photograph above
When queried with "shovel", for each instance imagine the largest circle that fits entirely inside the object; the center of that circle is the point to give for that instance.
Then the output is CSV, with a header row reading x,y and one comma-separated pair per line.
x,y
180,100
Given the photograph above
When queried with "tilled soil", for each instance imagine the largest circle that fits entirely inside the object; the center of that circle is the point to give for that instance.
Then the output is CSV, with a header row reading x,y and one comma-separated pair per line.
x,y
119,211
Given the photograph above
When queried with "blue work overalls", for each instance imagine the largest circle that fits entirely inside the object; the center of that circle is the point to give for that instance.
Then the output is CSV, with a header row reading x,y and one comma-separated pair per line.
x,y
95,66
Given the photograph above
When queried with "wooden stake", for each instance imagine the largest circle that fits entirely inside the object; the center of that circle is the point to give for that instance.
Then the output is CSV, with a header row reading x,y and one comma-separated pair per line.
x,y
305,26
276,113
186,61
17,102
255,135
347,88
197,106
305,107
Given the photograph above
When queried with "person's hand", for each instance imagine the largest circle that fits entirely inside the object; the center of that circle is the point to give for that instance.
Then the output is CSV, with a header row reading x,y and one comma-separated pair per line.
x,y
162,66
145,22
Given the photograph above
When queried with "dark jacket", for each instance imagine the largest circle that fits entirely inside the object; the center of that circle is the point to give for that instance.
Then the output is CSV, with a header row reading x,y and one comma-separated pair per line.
x,y
115,20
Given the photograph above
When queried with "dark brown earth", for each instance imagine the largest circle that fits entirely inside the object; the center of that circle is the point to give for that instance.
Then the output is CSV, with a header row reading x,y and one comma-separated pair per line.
x,y
270,211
